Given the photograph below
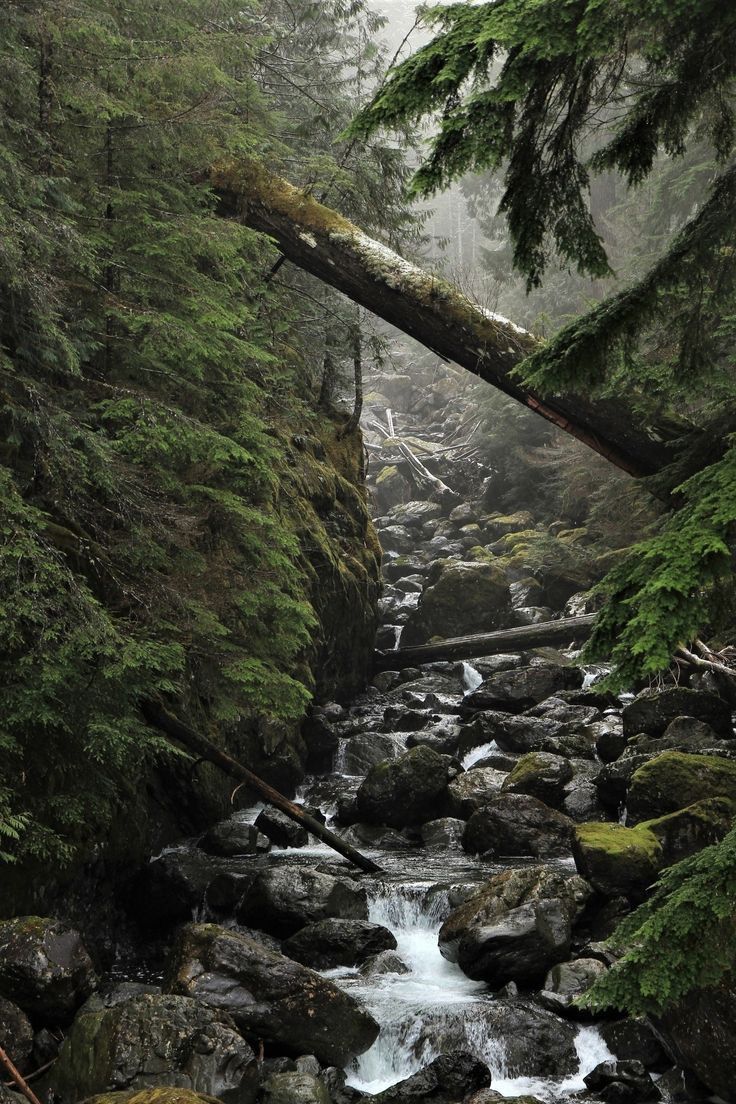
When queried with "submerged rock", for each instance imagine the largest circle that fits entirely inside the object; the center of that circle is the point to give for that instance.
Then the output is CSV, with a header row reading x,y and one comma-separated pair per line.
x,y
269,995
407,790
44,967
333,942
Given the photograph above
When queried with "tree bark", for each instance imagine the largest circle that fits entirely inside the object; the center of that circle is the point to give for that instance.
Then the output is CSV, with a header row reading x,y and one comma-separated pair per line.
x,y
432,311
564,631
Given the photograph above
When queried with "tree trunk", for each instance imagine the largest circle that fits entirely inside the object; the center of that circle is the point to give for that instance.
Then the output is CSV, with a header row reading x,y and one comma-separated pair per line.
x,y
432,311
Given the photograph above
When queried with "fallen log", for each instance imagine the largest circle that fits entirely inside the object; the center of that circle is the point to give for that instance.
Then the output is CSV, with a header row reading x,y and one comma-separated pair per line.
x,y
434,312
156,715
546,633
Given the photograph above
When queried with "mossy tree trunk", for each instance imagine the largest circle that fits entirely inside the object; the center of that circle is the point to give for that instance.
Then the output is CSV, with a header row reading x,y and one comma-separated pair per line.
x,y
432,311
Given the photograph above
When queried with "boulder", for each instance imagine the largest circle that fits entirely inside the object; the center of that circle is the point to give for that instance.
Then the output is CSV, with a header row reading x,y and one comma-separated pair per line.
x,y
516,927
610,740
366,750
294,1088
377,837
653,710
632,1038
518,824
522,687
268,995
701,1031
16,1033
286,898
170,887
511,733
629,1080
473,789
396,538
445,834
330,943
540,774
569,980
446,1080
407,790
387,962
465,598
281,829
234,837
44,968
166,1095
676,779
153,1040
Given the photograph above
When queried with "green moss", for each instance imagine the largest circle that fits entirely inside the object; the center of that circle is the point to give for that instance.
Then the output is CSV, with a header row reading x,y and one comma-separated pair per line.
x,y
675,780
527,767
388,472
162,1095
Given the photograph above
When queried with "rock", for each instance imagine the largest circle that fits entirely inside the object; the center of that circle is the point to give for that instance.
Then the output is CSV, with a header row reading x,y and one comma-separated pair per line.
x,y
154,1040
630,1074
446,1080
396,538
701,1030
465,598
44,968
632,1038
676,779
16,1033
294,1088
166,1095
406,790
653,710
569,980
234,837
511,733
387,962
516,927
367,750
498,525
333,942
320,738
417,513
539,774
281,829
581,801
445,834
520,688
269,996
171,886
473,789
375,836
518,824
285,899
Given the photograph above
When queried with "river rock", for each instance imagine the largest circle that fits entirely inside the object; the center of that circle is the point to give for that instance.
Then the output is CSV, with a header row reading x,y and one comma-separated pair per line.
x,y
675,779
701,1030
294,1088
366,750
465,598
284,899
269,995
473,789
634,1039
569,980
154,1040
653,710
516,927
520,688
445,834
629,1080
166,1095
609,738
405,791
333,942
281,829
518,824
171,886
540,774
511,733
396,538
44,967
234,837
446,1080
16,1033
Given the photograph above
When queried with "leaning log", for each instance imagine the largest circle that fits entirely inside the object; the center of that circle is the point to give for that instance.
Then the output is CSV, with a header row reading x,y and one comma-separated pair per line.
x,y
174,729
547,633
432,311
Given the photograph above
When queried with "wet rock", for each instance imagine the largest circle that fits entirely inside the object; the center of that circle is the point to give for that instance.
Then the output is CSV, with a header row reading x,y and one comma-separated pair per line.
x,y
520,688
280,829
330,943
166,1095
417,513
171,886
44,968
514,734
445,834
367,750
155,1040
399,719
446,1080
610,740
629,1081
269,996
396,538
294,1088
516,927
701,1030
675,779
498,525
465,598
16,1033
406,790
518,824
634,1039
284,899
321,739
473,789
581,801
387,962
652,711
569,980
376,836
234,837
540,774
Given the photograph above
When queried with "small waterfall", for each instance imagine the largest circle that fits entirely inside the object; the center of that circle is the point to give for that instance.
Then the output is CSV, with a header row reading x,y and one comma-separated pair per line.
x,y
476,754
591,1050
471,679
594,673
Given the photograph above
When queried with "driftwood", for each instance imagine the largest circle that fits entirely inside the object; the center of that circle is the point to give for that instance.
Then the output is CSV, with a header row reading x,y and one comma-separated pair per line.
x,y
564,631
433,312
203,748
18,1078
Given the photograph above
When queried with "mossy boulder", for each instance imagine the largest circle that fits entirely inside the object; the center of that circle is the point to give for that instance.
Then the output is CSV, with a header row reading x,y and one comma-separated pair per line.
x,y
653,710
408,790
165,1095
676,779
44,967
540,774
465,598
294,1088
497,525
391,487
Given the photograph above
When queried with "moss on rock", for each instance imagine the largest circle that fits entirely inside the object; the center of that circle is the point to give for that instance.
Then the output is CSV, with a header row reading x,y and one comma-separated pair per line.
x,y
675,780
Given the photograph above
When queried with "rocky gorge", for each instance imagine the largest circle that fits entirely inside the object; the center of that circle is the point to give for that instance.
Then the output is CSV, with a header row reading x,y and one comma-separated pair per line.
x,y
517,813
